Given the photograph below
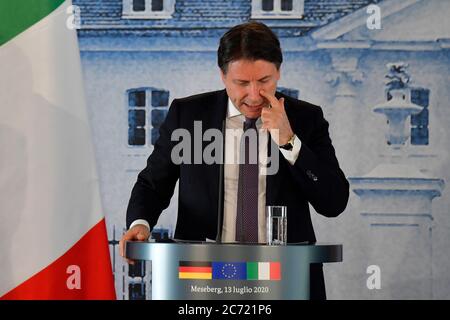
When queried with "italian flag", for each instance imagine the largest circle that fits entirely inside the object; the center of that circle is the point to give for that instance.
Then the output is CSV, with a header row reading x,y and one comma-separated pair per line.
x,y
53,242
263,271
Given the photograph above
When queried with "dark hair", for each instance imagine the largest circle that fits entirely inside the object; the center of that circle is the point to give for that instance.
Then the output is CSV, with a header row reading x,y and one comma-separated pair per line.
x,y
251,41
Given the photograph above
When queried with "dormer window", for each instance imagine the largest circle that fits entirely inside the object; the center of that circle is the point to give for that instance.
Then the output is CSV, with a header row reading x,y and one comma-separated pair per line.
x,y
277,9
148,9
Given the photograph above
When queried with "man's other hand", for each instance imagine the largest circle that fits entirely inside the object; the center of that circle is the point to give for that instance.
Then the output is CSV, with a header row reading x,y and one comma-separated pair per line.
x,y
138,233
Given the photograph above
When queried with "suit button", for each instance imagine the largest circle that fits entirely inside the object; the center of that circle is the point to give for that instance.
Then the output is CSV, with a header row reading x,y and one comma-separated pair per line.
x,y
311,175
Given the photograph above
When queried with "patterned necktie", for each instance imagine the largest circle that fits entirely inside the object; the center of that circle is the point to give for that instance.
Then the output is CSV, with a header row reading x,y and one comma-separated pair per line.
x,y
247,203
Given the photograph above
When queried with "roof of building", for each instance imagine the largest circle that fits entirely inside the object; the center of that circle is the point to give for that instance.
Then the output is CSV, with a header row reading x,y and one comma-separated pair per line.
x,y
207,17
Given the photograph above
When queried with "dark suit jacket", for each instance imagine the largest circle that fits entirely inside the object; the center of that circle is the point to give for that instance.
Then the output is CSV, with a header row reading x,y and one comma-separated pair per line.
x,y
315,177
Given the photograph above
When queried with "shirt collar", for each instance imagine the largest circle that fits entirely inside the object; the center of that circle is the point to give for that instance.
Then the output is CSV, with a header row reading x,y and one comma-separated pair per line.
x,y
232,111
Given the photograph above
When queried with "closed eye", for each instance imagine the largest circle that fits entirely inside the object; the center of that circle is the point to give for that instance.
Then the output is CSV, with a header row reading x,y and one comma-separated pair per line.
x,y
264,80
242,83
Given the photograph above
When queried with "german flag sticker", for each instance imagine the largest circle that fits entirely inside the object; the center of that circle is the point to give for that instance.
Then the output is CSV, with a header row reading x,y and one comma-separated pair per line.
x,y
195,270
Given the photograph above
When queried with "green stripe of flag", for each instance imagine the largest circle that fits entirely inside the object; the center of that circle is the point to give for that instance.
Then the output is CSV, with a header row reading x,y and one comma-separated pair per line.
x,y
18,15
252,270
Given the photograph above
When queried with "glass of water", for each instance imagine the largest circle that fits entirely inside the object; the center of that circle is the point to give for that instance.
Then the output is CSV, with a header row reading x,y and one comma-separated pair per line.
x,y
276,219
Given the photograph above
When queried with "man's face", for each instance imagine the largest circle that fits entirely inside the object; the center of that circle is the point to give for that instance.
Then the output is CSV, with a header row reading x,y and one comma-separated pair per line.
x,y
245,79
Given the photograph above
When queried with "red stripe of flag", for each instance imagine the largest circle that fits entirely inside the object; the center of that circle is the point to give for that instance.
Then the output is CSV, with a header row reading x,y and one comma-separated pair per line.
x,y
195,269
275,271
91,255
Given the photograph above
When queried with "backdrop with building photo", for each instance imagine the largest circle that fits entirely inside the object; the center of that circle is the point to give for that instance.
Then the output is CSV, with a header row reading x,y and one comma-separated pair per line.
x,y
380,69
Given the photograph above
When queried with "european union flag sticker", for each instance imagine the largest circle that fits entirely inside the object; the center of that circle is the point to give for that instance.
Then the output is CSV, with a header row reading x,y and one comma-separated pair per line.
x,y
229,270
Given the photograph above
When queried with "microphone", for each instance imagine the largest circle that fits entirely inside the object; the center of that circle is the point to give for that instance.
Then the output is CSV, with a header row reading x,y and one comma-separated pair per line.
x,y
220,195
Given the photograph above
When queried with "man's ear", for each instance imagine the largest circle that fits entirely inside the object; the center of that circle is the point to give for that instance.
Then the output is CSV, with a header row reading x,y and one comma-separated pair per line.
x,y
278,76
222,75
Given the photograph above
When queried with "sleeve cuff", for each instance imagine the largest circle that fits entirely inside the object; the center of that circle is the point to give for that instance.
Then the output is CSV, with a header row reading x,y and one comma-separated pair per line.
x,y
292,155
141,222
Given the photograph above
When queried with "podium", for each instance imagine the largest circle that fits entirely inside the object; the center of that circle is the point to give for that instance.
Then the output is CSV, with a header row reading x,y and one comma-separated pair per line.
x,y
209,271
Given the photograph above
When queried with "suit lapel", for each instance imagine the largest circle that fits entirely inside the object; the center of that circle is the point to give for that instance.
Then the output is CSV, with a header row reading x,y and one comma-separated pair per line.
x,y
216,171
219,110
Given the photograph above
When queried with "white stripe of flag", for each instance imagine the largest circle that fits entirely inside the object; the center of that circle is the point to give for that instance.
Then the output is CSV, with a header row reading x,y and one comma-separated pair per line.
x,y
263,271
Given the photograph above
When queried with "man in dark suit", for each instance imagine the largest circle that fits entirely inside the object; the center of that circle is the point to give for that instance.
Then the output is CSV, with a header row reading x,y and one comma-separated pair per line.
x,y
227,202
